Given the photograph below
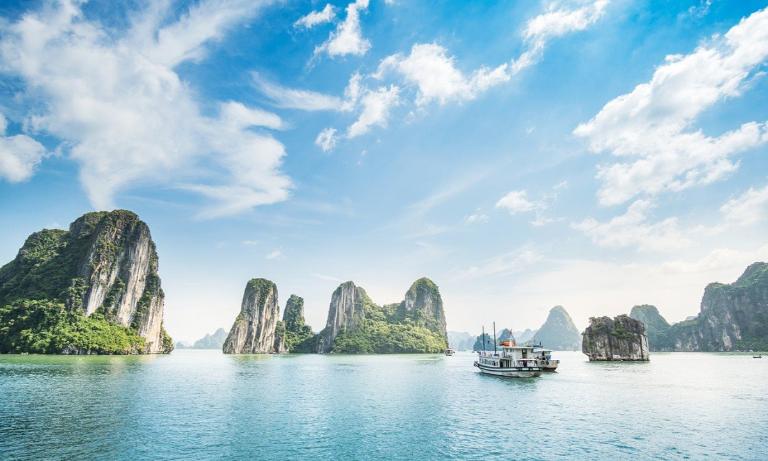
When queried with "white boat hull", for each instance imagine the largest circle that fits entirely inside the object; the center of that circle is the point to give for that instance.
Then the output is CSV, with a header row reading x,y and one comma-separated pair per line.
x,y
514,372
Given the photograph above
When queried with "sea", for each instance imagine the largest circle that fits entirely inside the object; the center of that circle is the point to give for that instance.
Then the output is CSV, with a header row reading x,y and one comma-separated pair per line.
x,y
198,405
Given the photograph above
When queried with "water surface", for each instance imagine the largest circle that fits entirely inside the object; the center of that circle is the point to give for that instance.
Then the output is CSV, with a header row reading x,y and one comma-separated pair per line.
x,y
205,405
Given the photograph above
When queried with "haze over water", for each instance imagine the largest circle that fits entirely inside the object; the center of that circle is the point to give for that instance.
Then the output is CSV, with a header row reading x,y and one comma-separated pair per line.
x,y
205,405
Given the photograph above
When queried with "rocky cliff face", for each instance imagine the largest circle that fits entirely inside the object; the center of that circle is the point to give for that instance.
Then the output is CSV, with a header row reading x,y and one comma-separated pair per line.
x,y
357,325
656,326
620,338
424,306
732,317
105,263
346,312
558,331
253,331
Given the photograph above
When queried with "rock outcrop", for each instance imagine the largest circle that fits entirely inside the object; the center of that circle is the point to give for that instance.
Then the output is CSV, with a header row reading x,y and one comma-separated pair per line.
x,y
106,263
424,306
357,325
558,331
253,331
294,335
732,317
621,338
346,312
656,326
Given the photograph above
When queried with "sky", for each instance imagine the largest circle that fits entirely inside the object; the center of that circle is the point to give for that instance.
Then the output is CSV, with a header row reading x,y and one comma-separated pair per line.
x,y
593,154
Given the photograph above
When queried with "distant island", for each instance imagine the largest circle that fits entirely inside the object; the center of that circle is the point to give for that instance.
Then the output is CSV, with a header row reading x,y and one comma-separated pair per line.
x,y
355,325
558,332
213,340
95,289
732,317
92,289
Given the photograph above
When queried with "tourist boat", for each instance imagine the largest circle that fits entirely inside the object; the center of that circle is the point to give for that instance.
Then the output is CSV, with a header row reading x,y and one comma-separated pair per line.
x,y
449,352
508,360
544,356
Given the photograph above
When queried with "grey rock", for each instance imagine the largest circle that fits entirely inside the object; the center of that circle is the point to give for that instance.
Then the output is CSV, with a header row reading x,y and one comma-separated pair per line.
x,y
253,331
621,338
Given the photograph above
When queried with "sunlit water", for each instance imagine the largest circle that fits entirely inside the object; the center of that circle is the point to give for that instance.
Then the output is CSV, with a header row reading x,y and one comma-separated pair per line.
x,y
205,405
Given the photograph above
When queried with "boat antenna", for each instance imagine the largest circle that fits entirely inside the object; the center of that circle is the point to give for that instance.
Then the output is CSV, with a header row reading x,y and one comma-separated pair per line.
x,y
494,337
482,337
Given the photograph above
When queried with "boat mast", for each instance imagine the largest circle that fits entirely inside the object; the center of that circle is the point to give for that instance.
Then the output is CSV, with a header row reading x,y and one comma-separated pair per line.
x,y
494,338
482,337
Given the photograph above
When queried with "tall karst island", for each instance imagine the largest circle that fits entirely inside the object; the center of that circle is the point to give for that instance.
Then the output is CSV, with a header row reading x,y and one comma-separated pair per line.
x,y
732,317
355,324
92,289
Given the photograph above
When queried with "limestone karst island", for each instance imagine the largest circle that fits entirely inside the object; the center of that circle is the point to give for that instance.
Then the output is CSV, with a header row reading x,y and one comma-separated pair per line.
x,y
383,230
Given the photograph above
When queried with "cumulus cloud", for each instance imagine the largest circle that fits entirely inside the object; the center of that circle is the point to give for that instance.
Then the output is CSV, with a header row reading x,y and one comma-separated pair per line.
x,y
115,100
348,38
748,208
435,75
650,130
327,139
376,106
316,18
633,229
516,202
19,155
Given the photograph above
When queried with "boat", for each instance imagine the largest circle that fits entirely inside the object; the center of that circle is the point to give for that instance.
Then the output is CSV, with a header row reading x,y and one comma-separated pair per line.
x,y
758,356
449,352
544,356
508,360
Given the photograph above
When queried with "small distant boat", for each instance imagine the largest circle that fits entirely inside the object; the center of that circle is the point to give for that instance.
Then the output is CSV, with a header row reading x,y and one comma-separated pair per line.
x,y
449,352
758,356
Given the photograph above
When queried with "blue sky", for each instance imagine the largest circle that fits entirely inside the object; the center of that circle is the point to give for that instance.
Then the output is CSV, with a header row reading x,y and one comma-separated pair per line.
x,y
595,154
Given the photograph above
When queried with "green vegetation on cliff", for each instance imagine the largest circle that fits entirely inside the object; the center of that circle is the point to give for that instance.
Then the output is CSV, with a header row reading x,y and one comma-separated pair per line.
x,y
415,325
44,291
45,327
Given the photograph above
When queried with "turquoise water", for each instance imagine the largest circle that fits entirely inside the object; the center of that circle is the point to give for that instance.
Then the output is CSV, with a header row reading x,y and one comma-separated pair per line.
x,y
205,405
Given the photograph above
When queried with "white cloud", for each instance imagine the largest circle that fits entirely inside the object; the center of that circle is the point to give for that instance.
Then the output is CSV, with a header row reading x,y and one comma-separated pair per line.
x,y
250,242
632,229
126,116
327,139
557,22
517,201
650,129
748,208
19,155
476,217
274,254
315,18
290,98
376,106
348,37
434,73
